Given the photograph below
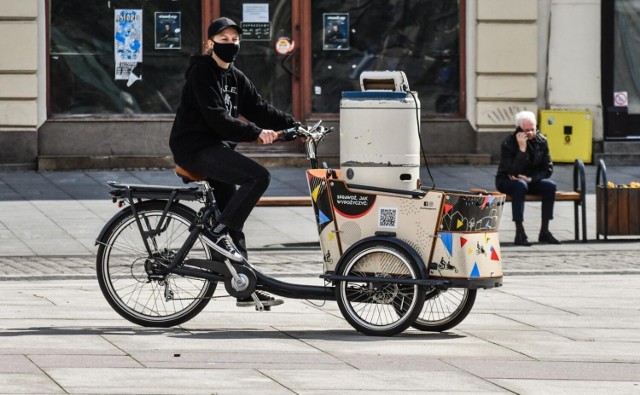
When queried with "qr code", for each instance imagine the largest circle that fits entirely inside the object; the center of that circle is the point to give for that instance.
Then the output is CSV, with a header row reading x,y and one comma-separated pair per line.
x,y
388,218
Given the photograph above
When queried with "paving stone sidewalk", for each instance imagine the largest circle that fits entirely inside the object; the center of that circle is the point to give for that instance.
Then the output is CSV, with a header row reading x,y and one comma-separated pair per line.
x,y
308,263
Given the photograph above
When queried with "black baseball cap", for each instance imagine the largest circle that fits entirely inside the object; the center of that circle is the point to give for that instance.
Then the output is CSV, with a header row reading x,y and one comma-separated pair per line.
x,y
220,24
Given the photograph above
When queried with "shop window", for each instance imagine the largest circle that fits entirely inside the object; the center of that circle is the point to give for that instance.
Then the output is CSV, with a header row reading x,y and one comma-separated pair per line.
x,y
84,78
419,37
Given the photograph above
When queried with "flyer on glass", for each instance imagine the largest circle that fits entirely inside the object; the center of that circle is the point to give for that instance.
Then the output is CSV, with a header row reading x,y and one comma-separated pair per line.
x,y
127,41
336,32
168,30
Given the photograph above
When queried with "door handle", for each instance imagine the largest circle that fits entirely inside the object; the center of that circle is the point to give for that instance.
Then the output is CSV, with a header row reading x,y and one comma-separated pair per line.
x,y
290,63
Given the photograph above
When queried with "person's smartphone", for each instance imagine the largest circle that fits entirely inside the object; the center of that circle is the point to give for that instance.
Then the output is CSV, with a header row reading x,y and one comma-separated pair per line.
x,y
518,129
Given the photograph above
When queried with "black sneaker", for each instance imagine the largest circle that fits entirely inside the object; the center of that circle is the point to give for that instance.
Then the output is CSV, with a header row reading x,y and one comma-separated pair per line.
x,y
223,244
266,300
548,238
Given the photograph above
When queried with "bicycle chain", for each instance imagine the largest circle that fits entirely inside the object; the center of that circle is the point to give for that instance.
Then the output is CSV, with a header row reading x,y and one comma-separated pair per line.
x,y
210,297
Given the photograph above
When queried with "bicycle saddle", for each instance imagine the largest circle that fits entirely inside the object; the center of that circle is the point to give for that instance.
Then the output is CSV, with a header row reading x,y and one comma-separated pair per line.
x,y
188,176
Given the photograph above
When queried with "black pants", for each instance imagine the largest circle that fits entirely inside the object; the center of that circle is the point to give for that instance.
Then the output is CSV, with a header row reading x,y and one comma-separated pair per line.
x,y
518,190
226,168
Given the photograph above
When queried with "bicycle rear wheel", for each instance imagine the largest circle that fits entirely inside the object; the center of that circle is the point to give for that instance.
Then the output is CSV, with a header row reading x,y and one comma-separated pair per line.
x,y
445,309
124,266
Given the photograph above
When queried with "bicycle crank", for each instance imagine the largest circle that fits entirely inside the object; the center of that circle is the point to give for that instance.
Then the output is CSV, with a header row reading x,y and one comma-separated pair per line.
x,y
243,284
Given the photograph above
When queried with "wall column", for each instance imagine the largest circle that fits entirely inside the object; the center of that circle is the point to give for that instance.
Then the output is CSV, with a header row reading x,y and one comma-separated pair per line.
x,y
18,83
506,66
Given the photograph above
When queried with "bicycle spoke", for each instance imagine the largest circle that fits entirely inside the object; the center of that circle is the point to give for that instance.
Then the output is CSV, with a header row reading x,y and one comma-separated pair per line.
x,y
132,279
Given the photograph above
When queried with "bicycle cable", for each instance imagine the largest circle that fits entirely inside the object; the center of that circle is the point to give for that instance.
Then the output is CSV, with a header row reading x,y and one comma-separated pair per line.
x,y
424,156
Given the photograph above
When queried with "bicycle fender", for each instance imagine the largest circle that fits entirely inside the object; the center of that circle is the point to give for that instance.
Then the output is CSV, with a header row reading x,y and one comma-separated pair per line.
x,y
124,211
128,210
393,240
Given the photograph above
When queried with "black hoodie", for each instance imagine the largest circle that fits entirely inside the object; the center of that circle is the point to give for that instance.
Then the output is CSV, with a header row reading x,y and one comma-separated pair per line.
x,y
212,99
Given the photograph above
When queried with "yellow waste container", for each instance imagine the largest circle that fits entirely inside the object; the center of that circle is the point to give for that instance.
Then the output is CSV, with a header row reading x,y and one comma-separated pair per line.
x,y
569,133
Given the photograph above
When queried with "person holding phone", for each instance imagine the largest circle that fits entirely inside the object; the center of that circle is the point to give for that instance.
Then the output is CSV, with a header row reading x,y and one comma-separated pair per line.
x,y
526,168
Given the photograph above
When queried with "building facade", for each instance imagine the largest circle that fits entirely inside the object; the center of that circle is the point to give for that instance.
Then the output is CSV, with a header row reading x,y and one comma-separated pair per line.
x,y
95,84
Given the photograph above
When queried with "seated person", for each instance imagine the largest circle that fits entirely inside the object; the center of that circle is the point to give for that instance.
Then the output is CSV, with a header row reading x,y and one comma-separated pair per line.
x,y
525,168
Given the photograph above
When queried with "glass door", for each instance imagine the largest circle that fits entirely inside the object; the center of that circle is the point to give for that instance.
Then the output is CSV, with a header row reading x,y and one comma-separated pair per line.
x,y
267,51
621,68
269,56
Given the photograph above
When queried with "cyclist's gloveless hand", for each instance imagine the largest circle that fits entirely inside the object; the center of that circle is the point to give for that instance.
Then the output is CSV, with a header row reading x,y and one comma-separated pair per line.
x,y
267,136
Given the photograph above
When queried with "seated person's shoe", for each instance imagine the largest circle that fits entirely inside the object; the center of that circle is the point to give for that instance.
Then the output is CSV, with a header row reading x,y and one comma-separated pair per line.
x,y
548,238
223,244
266,300
522,240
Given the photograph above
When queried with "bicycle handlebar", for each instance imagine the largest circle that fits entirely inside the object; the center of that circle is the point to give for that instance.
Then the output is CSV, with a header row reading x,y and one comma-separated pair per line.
x,y
315,132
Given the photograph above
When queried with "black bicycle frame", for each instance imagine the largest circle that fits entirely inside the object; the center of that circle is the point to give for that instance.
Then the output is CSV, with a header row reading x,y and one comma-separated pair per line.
x,y
213,270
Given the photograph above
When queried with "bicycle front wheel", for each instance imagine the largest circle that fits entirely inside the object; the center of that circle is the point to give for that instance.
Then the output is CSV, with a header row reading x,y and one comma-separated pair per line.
x,y
379,308
127,272
445,309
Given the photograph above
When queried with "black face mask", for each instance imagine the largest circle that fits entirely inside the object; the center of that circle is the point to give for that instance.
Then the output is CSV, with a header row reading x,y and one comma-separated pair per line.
x,y
226,51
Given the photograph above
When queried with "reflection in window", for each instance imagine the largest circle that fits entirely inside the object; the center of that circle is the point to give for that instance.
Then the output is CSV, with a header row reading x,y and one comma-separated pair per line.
x,y
82,65
258,58
419,37
627,61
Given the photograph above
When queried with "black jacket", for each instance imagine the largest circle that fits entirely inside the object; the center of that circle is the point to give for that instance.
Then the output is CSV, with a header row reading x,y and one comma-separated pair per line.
x,y
535,162
212,99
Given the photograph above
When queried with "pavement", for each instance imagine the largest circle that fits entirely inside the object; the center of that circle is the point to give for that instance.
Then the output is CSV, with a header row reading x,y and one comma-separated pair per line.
x,y
566,320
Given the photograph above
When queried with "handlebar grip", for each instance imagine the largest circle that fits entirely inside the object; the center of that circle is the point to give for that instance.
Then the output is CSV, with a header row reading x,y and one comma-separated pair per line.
x,y
280,133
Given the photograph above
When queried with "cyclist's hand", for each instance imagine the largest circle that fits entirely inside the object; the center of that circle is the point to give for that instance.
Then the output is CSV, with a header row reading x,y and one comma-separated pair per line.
x,y
267,136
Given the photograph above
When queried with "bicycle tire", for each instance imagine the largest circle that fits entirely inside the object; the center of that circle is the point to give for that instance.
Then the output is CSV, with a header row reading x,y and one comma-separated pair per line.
x,y
446,309
379,309
123,265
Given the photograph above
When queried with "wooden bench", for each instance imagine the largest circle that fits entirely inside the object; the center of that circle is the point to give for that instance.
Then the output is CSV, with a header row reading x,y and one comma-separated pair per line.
x,y
284,201
577,196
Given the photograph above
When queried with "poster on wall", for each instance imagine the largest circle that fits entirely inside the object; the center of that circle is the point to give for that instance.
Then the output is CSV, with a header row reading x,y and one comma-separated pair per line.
x,y
127,39
167,30
336,32
255,22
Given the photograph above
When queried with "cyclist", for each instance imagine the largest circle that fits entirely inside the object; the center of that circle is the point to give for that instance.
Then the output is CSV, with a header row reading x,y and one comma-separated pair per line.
x,y
206,131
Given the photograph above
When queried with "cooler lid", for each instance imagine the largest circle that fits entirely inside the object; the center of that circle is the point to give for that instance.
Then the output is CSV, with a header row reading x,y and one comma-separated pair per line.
x,y
374,95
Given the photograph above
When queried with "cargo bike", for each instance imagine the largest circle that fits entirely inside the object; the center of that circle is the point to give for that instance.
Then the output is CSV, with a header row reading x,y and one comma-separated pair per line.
x,y
392,258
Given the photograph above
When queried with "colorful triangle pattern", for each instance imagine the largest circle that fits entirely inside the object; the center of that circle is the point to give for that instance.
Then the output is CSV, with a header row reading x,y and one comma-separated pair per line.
x,y
475,273
447,240
494,255
323,218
